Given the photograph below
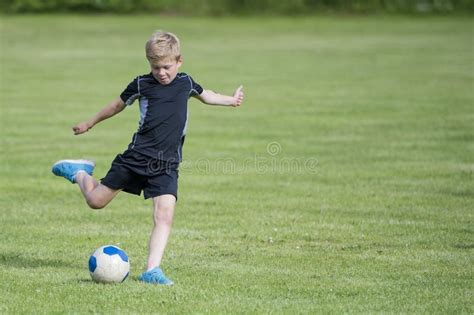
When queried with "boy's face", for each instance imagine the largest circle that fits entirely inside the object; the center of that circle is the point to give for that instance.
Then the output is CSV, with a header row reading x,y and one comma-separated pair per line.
x,y
165,70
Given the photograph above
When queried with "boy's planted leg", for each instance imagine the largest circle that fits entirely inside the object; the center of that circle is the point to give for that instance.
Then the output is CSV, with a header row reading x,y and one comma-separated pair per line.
x,y
163,211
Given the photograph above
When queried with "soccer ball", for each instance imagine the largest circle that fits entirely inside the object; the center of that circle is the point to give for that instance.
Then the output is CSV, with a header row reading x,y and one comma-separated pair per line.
x,y
109,264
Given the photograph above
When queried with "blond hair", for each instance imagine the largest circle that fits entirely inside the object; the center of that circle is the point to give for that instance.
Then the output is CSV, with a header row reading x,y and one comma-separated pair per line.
x,y
162,45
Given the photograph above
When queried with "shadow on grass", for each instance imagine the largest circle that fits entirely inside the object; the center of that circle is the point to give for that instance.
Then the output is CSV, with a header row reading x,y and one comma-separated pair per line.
x,y
23,261
90,281
83,281
463,246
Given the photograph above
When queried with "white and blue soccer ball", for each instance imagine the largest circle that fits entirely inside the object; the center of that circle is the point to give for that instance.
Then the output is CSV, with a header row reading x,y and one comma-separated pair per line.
x,y
109,264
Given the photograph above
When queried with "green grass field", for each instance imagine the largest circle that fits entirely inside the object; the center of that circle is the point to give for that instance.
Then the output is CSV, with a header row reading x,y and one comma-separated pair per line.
x,y
344,184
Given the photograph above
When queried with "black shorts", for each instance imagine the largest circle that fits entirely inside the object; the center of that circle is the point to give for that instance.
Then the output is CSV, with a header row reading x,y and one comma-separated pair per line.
x,y
133,173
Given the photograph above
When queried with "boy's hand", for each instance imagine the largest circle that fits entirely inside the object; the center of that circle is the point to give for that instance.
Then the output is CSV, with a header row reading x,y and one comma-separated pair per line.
x,y
238,96
81,128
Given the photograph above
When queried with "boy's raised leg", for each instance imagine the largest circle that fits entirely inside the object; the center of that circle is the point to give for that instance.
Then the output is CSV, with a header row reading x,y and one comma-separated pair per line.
x,y
80,172
97,195
69,168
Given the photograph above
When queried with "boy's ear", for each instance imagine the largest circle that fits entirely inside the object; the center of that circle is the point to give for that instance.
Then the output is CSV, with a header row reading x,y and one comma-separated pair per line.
x,y
180,61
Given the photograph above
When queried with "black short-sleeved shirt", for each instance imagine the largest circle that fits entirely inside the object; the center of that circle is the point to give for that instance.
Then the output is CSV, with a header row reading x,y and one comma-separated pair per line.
x,y
163,115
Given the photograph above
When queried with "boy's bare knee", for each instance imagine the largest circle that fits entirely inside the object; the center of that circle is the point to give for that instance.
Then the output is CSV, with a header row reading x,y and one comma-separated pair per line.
x,y
163,215
95,204
100,196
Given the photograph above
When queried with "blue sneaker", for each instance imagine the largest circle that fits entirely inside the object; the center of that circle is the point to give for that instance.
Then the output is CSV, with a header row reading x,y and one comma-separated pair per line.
x,y
69,168
155,276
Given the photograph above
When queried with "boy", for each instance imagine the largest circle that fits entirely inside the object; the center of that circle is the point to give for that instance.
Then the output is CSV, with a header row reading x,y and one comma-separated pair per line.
x,y
150,164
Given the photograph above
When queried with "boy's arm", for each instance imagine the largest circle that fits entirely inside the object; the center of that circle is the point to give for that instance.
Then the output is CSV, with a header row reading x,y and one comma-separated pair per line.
x,y
114,107
212,98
